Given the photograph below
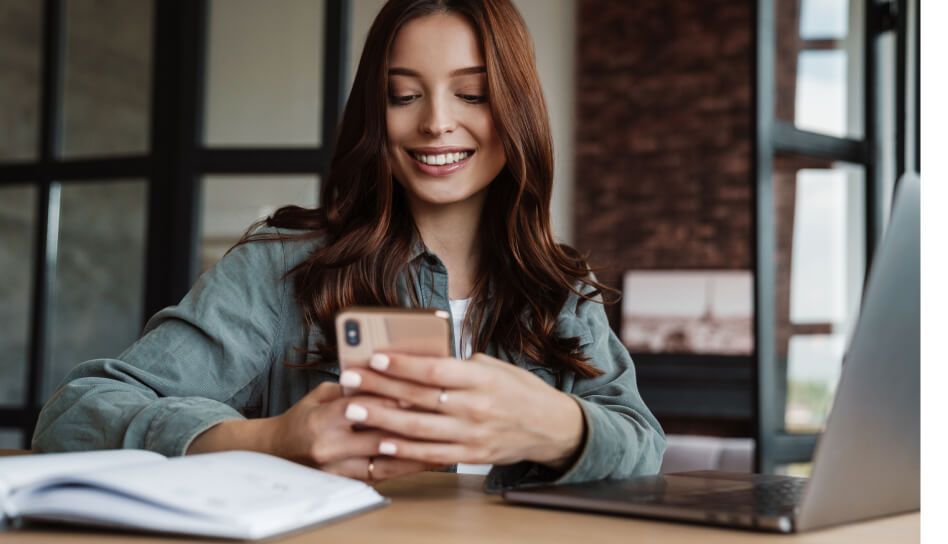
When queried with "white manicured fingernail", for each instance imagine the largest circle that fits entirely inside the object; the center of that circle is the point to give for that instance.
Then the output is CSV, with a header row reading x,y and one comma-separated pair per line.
x,y
379,361
354,412
350,379
387,448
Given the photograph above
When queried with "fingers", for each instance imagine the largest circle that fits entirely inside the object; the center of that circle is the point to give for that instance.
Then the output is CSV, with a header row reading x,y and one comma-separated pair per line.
x,y
338,406
414,424
350,467
434,453
439,372
465,404
369,381
348,444
384,468
325,392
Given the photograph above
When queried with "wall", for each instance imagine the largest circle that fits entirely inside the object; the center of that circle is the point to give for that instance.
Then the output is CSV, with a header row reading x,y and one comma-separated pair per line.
x,y
664,136
663,180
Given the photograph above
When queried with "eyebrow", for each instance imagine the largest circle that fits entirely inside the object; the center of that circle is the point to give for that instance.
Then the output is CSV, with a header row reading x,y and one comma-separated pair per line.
x,y
397,71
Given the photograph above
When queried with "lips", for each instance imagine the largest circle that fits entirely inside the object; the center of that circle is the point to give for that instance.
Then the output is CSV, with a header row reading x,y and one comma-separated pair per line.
x,y
440,161
437,150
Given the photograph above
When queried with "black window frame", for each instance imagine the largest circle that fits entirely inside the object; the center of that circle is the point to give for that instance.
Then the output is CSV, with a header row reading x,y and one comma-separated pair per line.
x,y
774,446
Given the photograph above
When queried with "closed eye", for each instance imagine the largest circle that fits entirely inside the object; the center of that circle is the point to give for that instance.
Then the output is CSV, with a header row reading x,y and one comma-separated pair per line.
x,y
473,98
402,100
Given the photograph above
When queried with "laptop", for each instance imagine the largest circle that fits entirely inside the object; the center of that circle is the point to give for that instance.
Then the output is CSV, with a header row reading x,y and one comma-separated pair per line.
x,y
866,462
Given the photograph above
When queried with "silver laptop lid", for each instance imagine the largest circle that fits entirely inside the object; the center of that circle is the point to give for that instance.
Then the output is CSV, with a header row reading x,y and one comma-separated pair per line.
x,y
867,460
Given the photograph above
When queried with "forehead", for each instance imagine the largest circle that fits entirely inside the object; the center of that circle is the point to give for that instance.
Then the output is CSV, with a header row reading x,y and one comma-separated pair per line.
x,y
436,44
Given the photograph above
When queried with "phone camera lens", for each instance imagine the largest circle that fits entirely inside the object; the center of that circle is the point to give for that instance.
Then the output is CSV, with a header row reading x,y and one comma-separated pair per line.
x,y
351,329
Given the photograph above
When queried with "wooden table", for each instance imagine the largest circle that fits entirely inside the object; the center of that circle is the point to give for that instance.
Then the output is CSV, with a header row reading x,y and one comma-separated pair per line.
x,y
442,508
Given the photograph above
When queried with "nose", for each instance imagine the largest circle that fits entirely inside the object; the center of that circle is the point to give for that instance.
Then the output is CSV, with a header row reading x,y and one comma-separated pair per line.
x,y
438,118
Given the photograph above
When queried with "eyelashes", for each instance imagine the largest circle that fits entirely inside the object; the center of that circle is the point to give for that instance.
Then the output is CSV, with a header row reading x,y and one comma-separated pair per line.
x,y
473,98
404,100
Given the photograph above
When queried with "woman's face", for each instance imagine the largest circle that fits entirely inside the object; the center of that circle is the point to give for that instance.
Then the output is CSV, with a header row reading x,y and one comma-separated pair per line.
x,y
441,135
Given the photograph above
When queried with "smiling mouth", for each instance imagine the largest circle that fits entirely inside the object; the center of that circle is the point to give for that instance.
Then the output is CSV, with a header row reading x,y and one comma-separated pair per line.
x,y
441,159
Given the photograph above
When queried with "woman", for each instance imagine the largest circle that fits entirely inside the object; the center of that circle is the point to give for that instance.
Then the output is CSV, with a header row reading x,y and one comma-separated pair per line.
x,y
438,196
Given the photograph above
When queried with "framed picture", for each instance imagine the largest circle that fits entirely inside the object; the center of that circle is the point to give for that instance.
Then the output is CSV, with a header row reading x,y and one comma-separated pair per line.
x,y
687,311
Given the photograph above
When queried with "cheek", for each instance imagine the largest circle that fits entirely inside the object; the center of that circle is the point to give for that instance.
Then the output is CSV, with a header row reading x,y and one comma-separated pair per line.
x,y
489,140
396,126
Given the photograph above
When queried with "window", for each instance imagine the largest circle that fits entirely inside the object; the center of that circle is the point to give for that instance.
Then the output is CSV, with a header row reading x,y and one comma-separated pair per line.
x,y
114,138
830,76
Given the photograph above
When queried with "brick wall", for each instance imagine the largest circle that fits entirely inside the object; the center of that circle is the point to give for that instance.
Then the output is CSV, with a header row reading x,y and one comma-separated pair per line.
x,y
664,142
664,135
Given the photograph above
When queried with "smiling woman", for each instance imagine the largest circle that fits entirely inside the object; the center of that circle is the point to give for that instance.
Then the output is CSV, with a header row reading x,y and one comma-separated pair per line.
x,y
438,197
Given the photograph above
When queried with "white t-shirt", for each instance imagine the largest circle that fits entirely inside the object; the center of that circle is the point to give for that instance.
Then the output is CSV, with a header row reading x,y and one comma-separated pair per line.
x,y
458,313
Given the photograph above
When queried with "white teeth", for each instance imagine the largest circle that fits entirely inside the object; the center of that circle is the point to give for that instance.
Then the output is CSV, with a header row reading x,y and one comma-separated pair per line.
x,y
444,158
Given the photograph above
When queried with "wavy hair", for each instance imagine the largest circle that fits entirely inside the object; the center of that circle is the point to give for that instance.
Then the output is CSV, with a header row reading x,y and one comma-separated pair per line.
x,y
367,231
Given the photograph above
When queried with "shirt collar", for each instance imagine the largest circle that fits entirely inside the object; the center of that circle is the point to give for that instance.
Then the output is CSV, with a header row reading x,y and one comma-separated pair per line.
x,y
417,248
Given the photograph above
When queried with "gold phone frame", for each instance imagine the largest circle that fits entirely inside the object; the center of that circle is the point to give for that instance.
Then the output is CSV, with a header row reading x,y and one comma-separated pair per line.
x,y
399,330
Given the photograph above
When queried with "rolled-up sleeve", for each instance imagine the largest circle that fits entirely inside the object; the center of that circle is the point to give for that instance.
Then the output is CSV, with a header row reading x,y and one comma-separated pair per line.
x,y
197,364
622,437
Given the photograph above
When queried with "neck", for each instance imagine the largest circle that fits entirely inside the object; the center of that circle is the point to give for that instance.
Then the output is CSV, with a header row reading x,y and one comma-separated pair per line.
x,y
451,232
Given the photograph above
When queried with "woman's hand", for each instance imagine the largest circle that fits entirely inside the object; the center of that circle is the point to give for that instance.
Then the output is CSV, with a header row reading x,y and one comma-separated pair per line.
x,y
478,411
315,431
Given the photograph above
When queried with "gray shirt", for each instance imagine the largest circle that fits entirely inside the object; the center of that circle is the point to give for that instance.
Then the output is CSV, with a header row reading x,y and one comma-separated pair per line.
x,y
220,353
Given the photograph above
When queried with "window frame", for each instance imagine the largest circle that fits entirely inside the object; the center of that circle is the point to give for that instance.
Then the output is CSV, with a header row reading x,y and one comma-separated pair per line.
x,y
173,165
775,446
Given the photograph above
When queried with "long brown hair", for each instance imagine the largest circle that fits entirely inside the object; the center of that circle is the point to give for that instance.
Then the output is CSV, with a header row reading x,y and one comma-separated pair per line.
x,y
367,231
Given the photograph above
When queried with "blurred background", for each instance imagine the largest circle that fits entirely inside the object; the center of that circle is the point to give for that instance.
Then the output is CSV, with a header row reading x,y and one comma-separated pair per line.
x,y
728,164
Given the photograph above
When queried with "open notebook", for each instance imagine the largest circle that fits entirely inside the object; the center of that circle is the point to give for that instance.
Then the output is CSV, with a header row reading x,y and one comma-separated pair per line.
x,y
238,494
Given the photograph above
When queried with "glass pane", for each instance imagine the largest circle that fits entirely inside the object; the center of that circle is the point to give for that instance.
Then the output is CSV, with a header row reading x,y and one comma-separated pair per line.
x,y
264,73
107,77
813,369
17,227
11,439
820,266
819,70
233,203
824,19
827,246
20,31
96,300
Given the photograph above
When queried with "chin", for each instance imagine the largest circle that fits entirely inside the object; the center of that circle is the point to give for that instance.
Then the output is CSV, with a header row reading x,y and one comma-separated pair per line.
x,y
438,192
440,198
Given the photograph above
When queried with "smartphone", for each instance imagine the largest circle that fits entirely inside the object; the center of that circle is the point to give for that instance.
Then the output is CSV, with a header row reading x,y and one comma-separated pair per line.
x,y
361,331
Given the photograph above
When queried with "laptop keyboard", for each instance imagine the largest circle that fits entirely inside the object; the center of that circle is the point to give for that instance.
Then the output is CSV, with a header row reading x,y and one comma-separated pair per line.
x,y
775,496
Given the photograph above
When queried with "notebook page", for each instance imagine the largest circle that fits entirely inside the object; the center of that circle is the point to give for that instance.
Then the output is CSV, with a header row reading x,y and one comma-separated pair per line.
x,y
92,506
239,487
22,470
